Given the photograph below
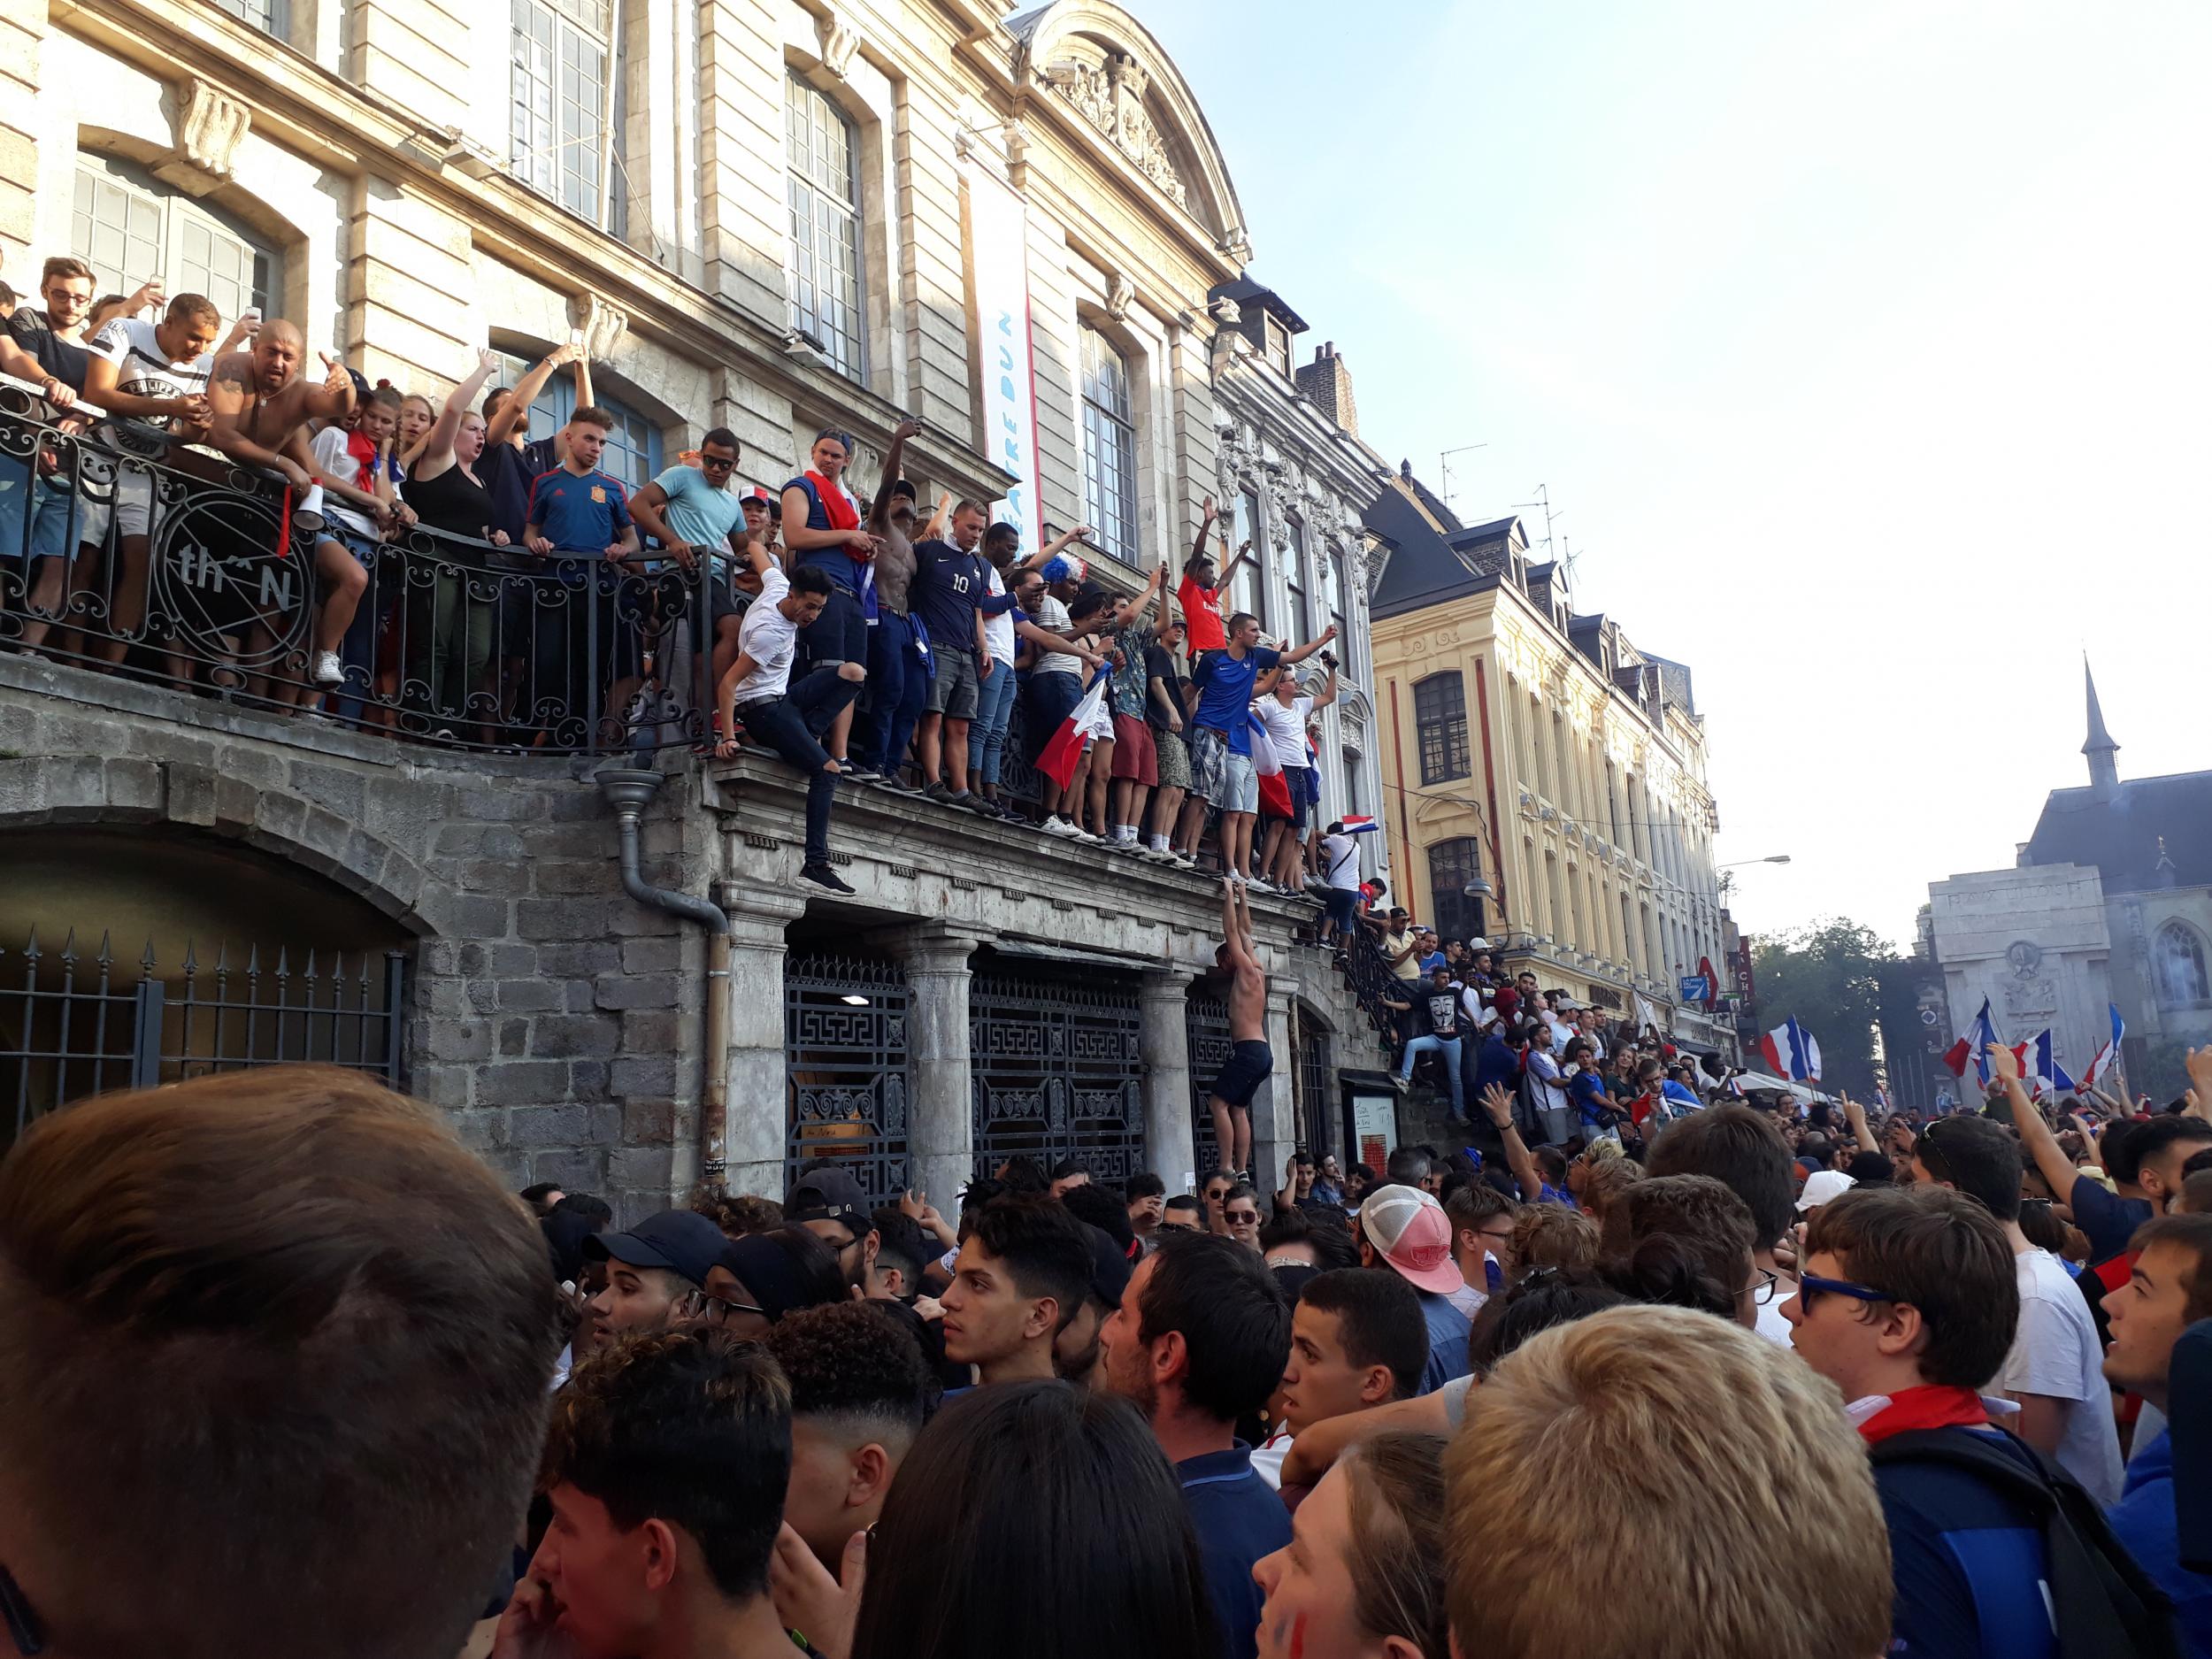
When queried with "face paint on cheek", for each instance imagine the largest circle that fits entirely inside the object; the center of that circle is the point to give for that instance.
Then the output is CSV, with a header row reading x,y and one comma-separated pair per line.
x,y
1298,1638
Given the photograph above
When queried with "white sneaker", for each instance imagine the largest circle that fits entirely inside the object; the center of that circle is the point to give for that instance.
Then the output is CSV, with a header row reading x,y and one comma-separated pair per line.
x,y
1183,861
1057,825
329,671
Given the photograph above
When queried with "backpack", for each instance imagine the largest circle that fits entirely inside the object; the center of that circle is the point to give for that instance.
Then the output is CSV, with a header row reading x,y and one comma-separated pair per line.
x,y
2104,1605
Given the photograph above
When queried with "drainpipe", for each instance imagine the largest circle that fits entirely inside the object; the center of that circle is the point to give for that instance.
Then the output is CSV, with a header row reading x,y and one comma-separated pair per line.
x,y
628,791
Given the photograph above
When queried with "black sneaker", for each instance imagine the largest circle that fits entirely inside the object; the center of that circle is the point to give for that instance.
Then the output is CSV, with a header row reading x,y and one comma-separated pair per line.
x,y
823,876
938,790
852,773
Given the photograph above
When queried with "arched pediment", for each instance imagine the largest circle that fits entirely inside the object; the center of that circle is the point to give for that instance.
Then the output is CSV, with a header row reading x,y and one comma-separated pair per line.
x,y
1107,66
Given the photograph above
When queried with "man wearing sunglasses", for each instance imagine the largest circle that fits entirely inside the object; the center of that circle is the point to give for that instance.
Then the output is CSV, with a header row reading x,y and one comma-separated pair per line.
x,y
694,511
1907,1303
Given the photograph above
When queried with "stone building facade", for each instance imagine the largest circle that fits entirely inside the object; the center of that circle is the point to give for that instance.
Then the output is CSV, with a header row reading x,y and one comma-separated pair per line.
x,y
1534,746
760,214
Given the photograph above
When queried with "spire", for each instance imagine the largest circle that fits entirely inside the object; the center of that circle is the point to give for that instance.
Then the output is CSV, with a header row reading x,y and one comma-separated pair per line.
x,y
2104,765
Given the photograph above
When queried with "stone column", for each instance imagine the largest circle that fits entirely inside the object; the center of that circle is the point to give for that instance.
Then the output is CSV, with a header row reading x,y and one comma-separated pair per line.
x,y
941,1094
1170,1134
1275,1108
754,1062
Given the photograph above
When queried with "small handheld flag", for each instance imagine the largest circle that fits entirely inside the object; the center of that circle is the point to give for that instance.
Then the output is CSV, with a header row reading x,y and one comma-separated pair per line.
x,y
1359,823
2103,1057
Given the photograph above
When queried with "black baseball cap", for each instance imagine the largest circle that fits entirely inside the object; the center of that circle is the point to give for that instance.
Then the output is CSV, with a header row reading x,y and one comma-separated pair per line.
x,y
685,1243
829,1196
1110,1268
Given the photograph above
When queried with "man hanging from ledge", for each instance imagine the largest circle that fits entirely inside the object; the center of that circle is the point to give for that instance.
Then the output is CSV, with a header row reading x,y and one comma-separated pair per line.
x,y
790,720
1250,1060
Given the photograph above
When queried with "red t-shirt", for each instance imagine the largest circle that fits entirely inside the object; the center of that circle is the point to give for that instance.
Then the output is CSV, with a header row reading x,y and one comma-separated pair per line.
x,y
1202,611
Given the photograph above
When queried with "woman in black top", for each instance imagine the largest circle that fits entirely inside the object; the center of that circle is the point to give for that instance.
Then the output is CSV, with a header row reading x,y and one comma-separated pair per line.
x,y
450,621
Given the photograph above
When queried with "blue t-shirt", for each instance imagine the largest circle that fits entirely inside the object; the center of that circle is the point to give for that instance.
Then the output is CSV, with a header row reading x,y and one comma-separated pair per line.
x,y
1966,1566
834,558
2106,1219
1237,1518
699,512
1587,1088
579,515
2145,1521
1448,1340
1225,692
946,588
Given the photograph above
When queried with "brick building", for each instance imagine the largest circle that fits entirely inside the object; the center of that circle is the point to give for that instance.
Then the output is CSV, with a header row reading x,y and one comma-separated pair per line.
x,y
771,217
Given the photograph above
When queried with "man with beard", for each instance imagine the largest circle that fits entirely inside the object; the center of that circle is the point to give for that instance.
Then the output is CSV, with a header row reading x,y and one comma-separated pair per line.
x,y
1079,1351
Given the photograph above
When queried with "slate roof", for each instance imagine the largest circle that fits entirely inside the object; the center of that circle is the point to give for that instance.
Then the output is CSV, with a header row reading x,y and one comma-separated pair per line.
x,y
2120,837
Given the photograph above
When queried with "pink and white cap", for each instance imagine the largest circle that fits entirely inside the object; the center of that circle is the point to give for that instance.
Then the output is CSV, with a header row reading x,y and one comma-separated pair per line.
x,y
1409,1229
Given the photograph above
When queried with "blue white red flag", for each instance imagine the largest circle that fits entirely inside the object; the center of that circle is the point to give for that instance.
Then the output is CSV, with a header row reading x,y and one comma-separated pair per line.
x,y
1359,823
2104,1057
1066,746
1973,1046
1791,1052
2039,1069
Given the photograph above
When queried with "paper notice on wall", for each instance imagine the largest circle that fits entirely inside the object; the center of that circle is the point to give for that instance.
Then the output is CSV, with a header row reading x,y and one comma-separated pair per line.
x,y
998,253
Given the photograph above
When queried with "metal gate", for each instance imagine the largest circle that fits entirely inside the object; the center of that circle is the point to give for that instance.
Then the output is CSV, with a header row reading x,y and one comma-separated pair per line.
x,y
1206,1029
844,1034
1319,1119
74,1023
1058,1073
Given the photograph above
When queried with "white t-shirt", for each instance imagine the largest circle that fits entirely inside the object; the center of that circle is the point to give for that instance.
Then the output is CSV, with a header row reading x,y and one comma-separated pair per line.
x,y
998,631
1772,1326
142,369
1339,859
1052,617
1552,1091
333,459
769,637
1267,1456
2055,1352
1286,727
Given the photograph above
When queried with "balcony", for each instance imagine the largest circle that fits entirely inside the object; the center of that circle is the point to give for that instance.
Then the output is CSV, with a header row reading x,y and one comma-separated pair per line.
x,y
194,573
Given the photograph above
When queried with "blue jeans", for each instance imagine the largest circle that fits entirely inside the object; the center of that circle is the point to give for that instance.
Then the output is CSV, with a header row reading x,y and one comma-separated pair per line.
x,y
46,503
793,725
1447,1049
898,688
986,732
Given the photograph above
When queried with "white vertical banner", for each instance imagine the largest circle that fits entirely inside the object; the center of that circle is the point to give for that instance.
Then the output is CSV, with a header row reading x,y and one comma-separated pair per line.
x,y
998,257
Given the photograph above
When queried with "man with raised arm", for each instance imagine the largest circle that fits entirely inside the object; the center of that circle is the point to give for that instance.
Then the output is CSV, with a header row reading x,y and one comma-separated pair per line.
x,y
1250,1059
1221,731
1200,592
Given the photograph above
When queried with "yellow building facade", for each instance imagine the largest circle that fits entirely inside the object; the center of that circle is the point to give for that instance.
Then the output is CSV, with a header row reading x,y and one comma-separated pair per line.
x,y
1535,749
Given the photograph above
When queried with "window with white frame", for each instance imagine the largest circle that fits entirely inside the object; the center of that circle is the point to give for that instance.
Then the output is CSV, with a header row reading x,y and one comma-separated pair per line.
x,y
1332,602
1247,589
266,15
822,157
1301,619
1110,448
633,455
559,81
127,227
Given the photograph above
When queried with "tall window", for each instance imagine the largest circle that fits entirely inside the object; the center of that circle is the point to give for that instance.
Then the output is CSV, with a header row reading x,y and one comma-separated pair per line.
x,y
1301,619
1247,591
1452,865
128,229
633,455
1351,782
1440,715
822,151
266,15
2178,963
1332,603
1110,448
559,93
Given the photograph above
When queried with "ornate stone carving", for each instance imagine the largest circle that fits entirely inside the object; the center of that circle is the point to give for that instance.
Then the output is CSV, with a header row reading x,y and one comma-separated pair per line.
x,y
1111,98
600,323
208,128
837,41
1121,294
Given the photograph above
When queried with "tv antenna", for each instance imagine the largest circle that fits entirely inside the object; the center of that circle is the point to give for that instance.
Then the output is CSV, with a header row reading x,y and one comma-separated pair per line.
x,y
1444,468
1543,500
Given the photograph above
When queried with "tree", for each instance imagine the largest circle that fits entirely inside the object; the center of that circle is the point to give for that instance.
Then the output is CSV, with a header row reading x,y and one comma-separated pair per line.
x,y
1828,977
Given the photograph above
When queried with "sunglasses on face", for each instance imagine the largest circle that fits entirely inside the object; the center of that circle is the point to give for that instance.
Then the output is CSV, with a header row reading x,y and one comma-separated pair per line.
x,y
1810,1288
715,463
1245,1217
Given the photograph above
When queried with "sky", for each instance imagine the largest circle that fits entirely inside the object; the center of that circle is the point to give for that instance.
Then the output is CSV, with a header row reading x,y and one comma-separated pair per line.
x,y
1864,351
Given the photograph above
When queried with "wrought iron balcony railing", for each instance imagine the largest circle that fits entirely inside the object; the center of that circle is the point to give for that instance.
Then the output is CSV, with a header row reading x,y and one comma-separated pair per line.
x,y
123,551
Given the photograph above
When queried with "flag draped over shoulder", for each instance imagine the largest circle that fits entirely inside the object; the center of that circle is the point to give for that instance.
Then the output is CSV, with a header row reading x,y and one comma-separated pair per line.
x,y
1065,748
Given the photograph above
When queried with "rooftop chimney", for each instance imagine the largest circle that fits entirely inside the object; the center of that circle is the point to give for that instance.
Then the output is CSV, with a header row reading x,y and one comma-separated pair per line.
x,y
1329,383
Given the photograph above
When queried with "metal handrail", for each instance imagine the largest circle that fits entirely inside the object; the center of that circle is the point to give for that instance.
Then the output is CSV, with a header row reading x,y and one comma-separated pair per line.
x,y
144,557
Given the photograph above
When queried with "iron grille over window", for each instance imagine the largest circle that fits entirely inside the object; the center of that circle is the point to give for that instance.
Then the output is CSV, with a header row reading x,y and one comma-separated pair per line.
x,y
1057,1070
821,151
558,88
1439,715
1206,1029
1452,865
1110,448
844,1025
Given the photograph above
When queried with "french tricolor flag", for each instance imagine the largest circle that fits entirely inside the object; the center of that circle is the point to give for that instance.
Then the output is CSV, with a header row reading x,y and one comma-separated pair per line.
x,y
1359,823
1791,1052
2040,1072
2104,1057
1064,749
1274,787
1973,1046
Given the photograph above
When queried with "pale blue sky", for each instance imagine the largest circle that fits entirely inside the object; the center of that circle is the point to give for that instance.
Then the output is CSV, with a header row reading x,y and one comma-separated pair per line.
x,y
1864,350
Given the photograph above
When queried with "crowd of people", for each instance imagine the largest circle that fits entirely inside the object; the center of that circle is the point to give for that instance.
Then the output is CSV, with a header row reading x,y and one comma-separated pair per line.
x,y
862,641
281,1369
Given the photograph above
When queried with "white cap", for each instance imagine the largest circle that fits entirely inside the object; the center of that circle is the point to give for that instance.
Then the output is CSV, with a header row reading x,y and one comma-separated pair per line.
x,y
1821,1185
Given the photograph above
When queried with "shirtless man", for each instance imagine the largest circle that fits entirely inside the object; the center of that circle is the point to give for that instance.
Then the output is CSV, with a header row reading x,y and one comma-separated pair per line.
x,y
259,406
898,674
1250,1059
